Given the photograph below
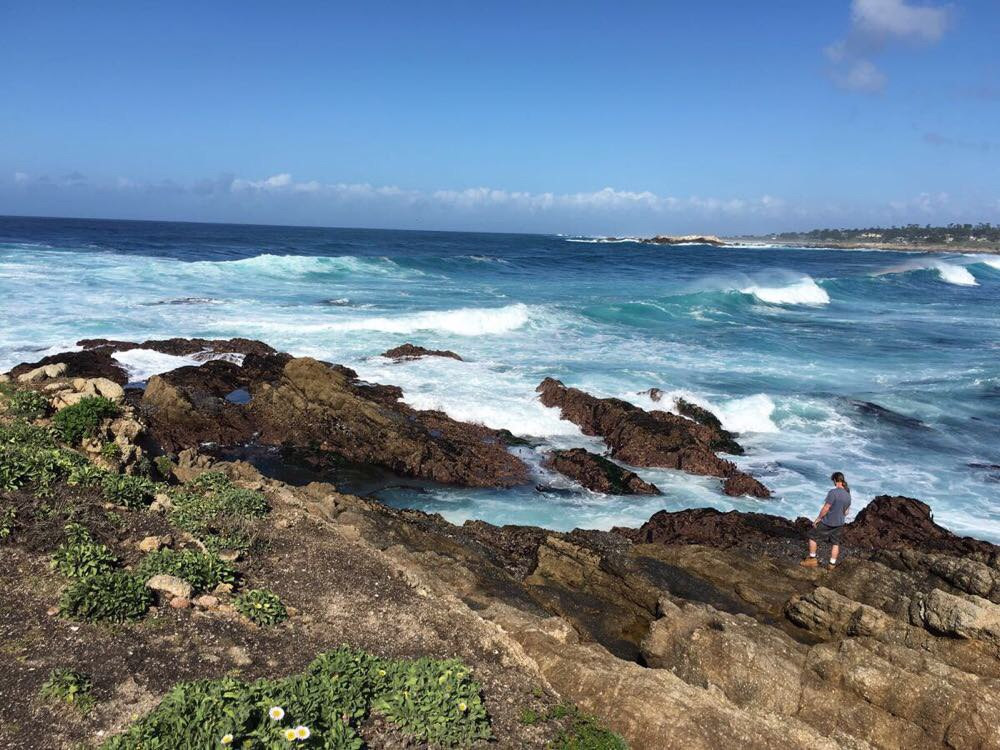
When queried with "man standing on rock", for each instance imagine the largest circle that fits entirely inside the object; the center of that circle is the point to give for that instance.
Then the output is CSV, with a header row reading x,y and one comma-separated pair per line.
x,y
830,522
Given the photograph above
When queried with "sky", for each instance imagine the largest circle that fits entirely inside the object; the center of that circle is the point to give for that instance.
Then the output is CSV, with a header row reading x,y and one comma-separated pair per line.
x,y
582,118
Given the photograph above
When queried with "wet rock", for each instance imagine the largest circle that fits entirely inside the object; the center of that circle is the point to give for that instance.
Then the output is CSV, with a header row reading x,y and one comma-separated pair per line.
x,y
409,351
642,438
96,363
723,440
598,473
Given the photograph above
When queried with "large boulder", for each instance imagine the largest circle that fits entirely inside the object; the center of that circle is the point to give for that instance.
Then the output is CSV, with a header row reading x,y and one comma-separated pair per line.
x,y
409,351
598,473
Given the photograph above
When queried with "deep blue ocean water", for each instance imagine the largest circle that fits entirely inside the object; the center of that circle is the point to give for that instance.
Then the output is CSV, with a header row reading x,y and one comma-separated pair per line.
x,y
883,365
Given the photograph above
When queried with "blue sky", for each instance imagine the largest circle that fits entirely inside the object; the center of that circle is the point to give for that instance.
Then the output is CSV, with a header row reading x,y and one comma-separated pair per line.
x,y
559,117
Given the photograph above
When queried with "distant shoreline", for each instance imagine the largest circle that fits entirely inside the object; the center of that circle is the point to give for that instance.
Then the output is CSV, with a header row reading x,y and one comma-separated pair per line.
x,y
904,247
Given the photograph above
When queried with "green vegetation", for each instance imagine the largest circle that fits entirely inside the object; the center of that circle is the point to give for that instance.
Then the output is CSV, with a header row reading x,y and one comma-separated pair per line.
x,y
67,686
164,466
909,234
26,404
111,451
218,513
585,732
202,570
132,492
429,700
80,556
261,606
29,455
8,519
82,419
112,596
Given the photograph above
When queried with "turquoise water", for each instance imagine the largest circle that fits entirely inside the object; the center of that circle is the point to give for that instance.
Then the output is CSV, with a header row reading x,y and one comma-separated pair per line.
x,y
789,346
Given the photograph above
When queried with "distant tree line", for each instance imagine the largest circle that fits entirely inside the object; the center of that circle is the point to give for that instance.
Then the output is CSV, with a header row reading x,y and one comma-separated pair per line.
x,y
915,233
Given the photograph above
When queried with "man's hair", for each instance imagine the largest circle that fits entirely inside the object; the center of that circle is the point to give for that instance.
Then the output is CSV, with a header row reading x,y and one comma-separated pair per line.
x,y
838,478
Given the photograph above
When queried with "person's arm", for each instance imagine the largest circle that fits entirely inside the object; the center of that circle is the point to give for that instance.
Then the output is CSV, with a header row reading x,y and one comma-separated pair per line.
x,y
822,513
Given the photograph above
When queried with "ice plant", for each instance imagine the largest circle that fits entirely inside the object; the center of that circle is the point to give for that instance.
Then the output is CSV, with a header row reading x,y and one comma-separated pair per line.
x,y
277,713
291,735
462,706
302,732
227,739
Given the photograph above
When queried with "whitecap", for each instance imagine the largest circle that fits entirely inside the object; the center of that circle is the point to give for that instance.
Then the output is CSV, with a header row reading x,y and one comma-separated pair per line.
x,y
142,364
805,291
471,321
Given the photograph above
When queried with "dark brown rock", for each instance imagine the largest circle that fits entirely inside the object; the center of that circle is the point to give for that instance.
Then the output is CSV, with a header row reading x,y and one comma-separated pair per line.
x,y
643,438
184,347
723,440
598,473
92,363
409,351
717,529
905,523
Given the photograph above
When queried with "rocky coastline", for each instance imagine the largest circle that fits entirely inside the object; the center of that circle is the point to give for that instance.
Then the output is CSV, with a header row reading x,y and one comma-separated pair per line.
x,y
697,630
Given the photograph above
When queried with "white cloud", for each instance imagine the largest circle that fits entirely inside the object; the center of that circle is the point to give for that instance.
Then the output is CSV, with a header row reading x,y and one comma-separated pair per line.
x,y
875,24
896,18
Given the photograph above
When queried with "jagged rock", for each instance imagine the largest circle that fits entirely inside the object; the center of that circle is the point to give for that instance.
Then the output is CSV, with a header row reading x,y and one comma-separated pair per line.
x,y
304,402
723,440
43,372
966,616
902,522
409,351
96,363
718,529
170,585
642,438
598,473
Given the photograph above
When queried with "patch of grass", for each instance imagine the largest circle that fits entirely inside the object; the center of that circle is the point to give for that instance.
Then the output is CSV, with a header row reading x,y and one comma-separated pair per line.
x,y
82,419
202,570
261,606
217,512
67,686
26,404
132,492
530,717
428,700
79,556
112,596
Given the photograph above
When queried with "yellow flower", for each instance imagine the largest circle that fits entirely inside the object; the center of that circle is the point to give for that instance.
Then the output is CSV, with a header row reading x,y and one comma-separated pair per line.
x,y
277,713
442,678
227,739
462,706
302,732
381,673
291,735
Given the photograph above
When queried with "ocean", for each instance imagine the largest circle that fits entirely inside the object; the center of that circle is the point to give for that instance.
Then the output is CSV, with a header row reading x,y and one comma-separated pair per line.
x,y
883,365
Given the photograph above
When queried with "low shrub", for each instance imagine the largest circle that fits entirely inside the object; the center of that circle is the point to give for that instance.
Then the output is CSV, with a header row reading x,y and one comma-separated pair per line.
x,y
82,419
26,404
202,570
86,475
164,466
434,701
261,606
324,705
112,596
131,492
217,512
29,455
111,451
79,556
67,686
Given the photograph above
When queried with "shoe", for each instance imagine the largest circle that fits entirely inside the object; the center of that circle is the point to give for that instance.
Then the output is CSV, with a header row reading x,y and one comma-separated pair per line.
x,y
831,566
810,562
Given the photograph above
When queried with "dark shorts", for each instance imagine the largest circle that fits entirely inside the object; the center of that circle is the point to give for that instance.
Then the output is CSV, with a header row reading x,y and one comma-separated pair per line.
x,y
824,533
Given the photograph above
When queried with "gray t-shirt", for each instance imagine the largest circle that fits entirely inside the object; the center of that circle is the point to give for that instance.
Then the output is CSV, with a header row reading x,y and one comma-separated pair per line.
x,y
839,500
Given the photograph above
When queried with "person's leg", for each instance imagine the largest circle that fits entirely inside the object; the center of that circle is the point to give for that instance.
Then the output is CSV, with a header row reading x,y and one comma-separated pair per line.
x,y
811,561
834,554
812,548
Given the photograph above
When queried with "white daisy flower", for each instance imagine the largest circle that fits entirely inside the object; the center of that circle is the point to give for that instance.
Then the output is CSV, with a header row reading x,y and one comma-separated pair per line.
x,y
302,733
227,739
277,713
291,735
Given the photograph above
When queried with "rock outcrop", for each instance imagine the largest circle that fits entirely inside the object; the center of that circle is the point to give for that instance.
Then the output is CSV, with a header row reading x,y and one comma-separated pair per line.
x,y
301,402
598,473
649,438
409,351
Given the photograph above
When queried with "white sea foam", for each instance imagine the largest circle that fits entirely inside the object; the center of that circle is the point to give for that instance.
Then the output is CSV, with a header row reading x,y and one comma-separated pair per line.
x,y
955,274
747,414
296,266
993,261
142,364
471,321
805,291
